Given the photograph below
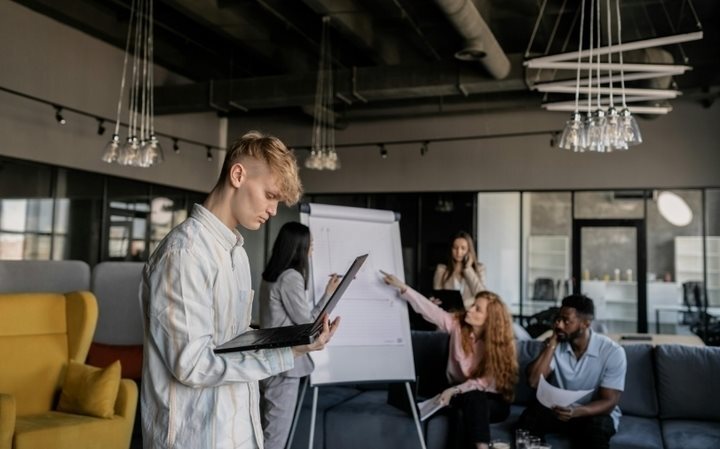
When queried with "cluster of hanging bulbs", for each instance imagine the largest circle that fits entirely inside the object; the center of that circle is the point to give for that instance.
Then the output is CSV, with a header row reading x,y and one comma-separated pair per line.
x,y
322,151
600,130
323,159
141,147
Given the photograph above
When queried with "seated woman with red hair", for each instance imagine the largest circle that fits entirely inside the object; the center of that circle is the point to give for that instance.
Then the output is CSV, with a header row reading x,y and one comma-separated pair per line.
x,y
482,367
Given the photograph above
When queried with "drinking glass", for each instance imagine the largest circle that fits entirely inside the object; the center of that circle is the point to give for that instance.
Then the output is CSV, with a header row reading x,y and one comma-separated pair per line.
x,y
533,442
521,439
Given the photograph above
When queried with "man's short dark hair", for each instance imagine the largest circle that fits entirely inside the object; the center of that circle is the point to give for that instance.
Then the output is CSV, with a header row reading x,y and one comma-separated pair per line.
x,y
582,305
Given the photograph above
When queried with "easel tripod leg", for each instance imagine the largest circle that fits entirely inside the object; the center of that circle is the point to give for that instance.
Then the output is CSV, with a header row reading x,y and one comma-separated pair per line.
x,y
312,418
416,418
296,416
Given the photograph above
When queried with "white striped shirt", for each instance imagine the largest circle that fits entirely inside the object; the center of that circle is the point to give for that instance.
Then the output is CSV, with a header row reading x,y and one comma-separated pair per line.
x,y
196,294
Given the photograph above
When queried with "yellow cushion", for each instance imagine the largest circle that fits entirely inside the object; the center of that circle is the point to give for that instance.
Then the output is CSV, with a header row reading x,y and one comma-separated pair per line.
x,y
90,391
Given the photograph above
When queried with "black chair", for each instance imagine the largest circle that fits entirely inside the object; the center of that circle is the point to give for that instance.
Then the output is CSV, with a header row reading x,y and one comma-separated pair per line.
x,y
693,301
543,290
701,323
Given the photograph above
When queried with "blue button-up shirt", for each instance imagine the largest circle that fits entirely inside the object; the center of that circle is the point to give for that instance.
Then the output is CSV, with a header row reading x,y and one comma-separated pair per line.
x,y
602,365
196,294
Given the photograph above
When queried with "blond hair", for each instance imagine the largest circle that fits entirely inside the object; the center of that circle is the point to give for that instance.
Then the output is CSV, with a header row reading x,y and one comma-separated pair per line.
x,y
275,154
499,359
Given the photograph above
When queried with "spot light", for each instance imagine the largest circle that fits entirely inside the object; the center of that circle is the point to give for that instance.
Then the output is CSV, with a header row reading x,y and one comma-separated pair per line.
x,y
424,148
383,151
101,127
209,153
58,116
176,146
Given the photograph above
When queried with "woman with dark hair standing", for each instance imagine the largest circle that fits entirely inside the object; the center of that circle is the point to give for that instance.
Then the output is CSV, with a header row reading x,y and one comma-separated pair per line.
x,y
462,271
284,302
482,368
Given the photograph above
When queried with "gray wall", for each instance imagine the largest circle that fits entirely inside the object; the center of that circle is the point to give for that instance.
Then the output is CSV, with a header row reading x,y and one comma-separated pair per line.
x,y
679,151
49,60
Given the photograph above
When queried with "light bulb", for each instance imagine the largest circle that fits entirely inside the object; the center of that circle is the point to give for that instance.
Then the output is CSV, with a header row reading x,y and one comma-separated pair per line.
x,y
151,153
112,150
573,136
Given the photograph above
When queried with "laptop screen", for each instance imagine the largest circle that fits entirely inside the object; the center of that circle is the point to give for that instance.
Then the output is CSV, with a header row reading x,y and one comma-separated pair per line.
x,y
344,284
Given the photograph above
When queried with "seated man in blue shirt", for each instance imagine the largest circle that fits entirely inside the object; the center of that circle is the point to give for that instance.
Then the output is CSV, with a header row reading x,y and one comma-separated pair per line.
x,y
576,358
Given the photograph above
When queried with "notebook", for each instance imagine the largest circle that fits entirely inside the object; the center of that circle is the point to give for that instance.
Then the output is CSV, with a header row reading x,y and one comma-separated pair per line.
x,y
301,334
451,299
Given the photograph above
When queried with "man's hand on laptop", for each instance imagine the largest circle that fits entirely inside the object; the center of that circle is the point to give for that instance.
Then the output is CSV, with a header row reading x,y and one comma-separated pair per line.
x,y
328,331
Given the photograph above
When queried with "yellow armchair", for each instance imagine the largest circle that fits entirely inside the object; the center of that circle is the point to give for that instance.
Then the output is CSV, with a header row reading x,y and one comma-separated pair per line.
x,y
39,334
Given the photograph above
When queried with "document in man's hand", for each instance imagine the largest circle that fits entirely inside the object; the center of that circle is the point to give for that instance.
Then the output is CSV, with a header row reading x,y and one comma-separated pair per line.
x,y
551,396
428,407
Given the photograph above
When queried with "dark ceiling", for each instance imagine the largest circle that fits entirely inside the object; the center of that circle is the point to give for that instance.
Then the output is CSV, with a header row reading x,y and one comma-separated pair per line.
x,y
391,57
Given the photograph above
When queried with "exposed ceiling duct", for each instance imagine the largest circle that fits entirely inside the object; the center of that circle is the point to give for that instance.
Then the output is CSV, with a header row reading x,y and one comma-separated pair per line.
x,y
480,43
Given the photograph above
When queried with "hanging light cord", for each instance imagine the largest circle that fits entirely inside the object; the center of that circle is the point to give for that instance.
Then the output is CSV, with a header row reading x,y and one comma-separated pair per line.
x,y
151,78
622,69
610,46
590,71
599,43
579,59
125,61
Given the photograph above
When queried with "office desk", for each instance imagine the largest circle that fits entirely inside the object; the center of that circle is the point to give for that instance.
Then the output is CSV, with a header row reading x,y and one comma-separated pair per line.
x,y
660,339
678,308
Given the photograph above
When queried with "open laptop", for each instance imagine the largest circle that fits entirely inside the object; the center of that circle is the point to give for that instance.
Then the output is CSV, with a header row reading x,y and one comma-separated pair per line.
x,y
301,334
451,299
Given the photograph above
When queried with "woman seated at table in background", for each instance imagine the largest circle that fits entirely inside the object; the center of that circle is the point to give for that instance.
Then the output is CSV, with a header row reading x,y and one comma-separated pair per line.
x,y
462,272
482,369
284,302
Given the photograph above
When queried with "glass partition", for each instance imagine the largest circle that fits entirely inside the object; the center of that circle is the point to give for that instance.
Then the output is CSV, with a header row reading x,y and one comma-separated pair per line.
x,y
26,211
712,245
674,258
498,245
547,231
608,263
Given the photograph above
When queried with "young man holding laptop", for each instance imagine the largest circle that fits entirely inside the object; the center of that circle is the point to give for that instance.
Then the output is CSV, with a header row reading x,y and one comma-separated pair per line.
x,y
196,294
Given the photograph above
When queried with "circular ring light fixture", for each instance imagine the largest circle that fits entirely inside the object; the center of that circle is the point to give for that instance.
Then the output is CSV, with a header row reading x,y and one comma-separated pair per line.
x,y
674,209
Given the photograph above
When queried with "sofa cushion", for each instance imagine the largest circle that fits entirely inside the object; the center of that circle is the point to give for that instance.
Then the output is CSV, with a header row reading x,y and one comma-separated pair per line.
x,y
430,354
639,397
505,431
685,434
91,391
527,351
687,382
437,428
636,432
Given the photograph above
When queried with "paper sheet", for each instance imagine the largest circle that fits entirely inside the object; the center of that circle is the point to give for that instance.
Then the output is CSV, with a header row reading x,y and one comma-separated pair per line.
x,y
428,407
551,396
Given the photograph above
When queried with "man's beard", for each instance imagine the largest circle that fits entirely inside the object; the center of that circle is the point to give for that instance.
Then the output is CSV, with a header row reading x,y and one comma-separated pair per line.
x,y
570,337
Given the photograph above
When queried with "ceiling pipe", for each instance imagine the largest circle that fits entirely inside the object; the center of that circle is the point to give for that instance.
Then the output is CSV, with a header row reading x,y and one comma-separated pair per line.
x,y
480,44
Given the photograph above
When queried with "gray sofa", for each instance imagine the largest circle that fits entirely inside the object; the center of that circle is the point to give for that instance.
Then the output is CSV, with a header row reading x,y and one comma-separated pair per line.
x,y
671,401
